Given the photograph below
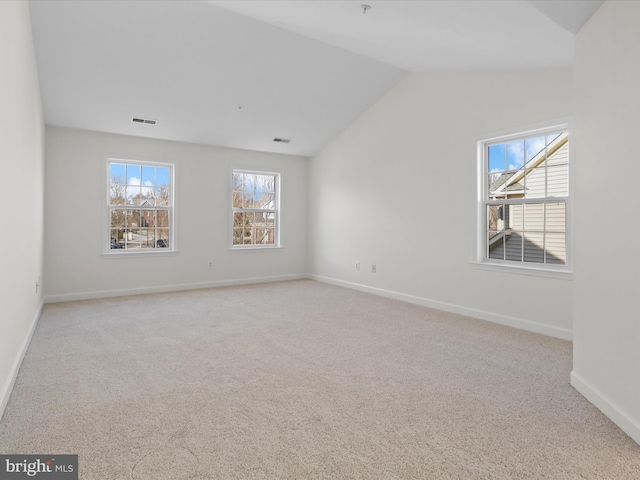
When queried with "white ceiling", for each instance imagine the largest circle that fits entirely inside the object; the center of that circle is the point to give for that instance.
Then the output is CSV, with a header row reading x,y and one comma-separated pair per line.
x,y
240,73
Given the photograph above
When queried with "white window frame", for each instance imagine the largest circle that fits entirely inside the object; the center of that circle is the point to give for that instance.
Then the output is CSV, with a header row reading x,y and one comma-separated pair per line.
x,y
107,251
480,259
277,210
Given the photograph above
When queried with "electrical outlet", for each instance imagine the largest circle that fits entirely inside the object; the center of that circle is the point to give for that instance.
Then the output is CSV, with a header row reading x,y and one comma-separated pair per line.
x,y
373,269
210,264
357,265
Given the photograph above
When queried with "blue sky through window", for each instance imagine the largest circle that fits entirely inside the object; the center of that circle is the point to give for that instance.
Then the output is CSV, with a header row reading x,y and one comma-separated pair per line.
x,y
513,155
117,172
141,175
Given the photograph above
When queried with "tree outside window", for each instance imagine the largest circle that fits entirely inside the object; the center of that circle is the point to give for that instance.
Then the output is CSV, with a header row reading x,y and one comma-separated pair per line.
x,y
255,209
140,205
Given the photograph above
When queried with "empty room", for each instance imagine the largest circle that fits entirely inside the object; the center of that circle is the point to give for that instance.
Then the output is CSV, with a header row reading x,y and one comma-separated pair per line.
x,y
319,239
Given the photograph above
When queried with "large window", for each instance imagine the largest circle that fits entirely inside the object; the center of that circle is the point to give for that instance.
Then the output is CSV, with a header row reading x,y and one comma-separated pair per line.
x,y
140,206
255,209
524,197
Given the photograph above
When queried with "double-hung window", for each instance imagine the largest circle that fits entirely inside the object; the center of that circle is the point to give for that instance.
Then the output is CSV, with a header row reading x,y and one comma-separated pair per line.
x,y
140,206
523,201
255,209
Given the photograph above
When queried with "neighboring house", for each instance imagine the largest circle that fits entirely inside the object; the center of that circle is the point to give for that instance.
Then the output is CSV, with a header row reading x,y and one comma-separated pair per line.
x,y
140,227
532,231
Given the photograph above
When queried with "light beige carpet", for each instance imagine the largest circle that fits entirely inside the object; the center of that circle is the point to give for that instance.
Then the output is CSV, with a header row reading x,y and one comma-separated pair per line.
x,y
302,380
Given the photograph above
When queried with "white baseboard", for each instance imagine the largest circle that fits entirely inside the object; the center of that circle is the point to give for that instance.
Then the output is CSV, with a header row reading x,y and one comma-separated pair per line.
x,y
506,320
617,415
5,393
168,288
530,326
549,330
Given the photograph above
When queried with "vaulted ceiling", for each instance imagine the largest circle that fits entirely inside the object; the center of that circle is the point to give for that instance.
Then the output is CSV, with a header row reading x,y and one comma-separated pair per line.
x,y
241,73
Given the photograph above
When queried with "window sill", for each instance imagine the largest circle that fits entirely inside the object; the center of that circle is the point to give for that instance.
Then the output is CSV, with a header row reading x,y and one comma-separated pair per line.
x,y
254,249
130,253
560,272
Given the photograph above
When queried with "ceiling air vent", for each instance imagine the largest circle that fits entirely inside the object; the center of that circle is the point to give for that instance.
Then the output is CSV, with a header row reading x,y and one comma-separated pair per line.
x,y
143,120
281,140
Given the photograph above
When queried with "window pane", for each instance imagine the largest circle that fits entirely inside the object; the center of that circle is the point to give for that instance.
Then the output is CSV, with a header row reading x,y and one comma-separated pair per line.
x,y
266,200
163,176
250,229
163,196
133,218
117,238
162,218
242,227
497,158
117,194
534,146
558,181
533,232
270,220
248,189
555,217
496,246
247,200
265,184
237,235
247,233
238,219
264,236
515,217
533,218
162,238
535,182
513,246
553,137
555,244
495,214
147,218
133,195
148,176
151,198
496,185
146,237
237,199
534,247
237,182
117,218
560,156
513,233
132,238
117,173
133,174
515,155
263,228
117,182
147,199
147,193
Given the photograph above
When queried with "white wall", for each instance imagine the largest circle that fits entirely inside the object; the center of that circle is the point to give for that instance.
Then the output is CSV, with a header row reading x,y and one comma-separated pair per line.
x,y
21,160
74,266
397,189
606,303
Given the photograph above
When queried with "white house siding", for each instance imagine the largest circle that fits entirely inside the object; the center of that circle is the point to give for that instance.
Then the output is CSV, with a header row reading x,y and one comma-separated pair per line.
x,y
557,172
540,227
